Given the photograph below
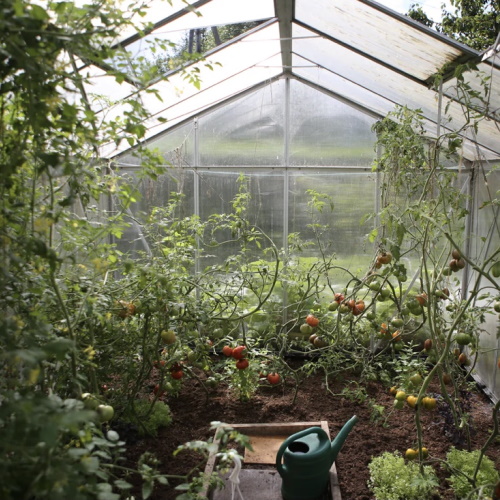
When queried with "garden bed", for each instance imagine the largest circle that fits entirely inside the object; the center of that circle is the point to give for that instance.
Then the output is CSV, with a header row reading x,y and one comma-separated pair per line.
x,y
380,427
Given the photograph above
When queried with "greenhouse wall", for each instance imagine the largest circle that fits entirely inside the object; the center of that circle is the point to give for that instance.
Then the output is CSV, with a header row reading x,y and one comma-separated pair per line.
x,y
288,140
484,237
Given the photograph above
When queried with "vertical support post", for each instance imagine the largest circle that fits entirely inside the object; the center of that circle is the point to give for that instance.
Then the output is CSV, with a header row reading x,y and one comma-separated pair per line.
x,y
469,222
286,181
196,191
378,205
440,107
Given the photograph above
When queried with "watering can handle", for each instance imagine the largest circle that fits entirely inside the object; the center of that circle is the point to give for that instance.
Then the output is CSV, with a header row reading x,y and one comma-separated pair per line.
x,y
292,438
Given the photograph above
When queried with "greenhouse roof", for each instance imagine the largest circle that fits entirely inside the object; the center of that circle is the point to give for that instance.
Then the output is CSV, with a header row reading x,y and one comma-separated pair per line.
x,y
357,51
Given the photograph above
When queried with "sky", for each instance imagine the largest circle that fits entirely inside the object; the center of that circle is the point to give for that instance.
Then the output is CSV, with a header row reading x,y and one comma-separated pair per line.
x,y
431,7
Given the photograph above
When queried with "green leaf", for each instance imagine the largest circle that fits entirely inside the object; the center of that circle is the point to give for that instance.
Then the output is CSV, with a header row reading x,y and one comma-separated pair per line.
x,y
122,485
107,495
147,489
39,13
59,347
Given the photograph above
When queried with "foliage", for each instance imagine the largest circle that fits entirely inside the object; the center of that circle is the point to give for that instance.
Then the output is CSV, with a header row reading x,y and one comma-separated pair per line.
x,y
58,295
464,479
149,416
83,316
70,456
393,479
224,446
472,22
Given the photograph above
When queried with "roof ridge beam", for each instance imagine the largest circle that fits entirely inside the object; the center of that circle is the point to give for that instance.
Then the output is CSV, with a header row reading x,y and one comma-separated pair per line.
x,y
285,10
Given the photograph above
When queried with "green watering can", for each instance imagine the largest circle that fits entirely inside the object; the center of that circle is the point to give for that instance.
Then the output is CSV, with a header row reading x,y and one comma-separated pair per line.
x,y
304,461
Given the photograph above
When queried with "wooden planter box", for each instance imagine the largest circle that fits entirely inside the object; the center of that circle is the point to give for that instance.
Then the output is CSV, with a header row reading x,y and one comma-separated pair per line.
x,y
259,479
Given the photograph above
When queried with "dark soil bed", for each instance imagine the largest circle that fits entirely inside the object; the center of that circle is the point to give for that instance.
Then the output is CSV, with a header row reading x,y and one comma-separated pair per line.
x,y
395,430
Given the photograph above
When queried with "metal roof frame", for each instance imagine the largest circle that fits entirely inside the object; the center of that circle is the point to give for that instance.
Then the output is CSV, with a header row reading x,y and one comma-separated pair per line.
x,y
379,56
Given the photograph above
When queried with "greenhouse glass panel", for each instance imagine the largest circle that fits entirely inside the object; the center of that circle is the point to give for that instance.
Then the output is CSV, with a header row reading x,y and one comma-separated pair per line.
x,y
382,82
101,87
248,131
343,232
154,193
327,132
214,13
157,10
386,38
342,87
486,225
218,189
176,146
366,73
231,72
485,77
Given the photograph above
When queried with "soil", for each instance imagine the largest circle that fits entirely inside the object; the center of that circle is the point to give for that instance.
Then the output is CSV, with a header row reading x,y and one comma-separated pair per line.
x,y
395,430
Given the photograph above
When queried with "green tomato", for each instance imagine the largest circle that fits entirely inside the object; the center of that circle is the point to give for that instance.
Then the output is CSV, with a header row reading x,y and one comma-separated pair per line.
x,y
399,404
306,329
90,401
344,309
417,310
168,337
217,333
105,412
397,322
495,269
192,356
463,339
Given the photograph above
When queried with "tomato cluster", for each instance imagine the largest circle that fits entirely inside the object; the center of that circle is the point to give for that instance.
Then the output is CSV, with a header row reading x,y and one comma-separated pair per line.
x,y
176,371
238,353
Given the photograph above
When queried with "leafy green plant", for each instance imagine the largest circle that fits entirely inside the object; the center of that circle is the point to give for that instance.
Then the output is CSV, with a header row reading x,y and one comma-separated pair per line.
x,y
464,478
224,447
393,479
149,416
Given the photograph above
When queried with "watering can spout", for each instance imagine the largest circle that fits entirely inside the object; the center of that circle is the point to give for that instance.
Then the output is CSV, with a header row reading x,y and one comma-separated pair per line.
x,y
339,440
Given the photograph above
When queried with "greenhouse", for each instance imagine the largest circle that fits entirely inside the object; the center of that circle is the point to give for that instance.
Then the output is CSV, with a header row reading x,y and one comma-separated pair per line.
x,y
257,207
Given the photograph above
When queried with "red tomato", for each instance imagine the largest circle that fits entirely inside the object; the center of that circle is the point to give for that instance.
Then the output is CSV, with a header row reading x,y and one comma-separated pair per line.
x,y
177,374
176,367
273,378
242,364
158,390
422,299
338,297
351,304
239,352
227,350
312,320
384,257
